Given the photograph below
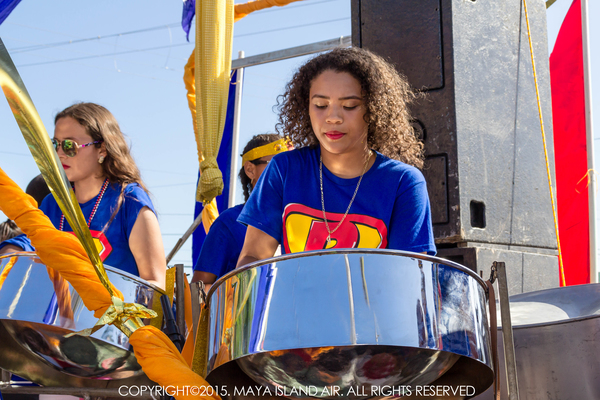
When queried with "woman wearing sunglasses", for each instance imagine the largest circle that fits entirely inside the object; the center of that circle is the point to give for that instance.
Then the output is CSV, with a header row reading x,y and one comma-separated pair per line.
x,y
110,191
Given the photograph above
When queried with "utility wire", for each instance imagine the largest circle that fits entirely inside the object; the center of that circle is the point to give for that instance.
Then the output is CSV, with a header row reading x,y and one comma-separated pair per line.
x,y
104,55
25,49
291,27
99,37
15,154
177,45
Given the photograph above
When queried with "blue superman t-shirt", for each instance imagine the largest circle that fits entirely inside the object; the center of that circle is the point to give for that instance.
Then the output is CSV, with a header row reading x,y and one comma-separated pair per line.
x,y
391,209
223,244
113,244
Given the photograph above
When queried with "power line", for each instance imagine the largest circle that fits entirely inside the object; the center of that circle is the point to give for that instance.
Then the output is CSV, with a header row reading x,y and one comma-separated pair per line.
x,y
177,214
291,27
177,45
169,172
15,154
25,49
175,184
104,55
99,37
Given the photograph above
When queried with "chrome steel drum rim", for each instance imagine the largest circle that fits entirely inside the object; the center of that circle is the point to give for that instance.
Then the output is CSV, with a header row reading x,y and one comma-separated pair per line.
x,y
110,268
565,291
348,251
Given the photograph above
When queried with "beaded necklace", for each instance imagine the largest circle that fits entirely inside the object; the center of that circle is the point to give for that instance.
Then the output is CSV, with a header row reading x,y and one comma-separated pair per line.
x,y
89,222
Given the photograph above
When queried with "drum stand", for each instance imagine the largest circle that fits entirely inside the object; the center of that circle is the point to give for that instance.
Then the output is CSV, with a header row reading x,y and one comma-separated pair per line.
x,y
499,272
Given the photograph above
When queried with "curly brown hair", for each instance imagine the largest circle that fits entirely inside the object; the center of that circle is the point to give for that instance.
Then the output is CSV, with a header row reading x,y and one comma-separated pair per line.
x,y
386,96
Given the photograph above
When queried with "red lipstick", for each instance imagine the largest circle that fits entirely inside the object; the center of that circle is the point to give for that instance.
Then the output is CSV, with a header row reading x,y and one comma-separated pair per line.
x,y
334,135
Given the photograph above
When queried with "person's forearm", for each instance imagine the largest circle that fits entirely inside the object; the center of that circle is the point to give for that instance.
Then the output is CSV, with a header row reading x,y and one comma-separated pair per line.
x,y
258,245
245,259
158,283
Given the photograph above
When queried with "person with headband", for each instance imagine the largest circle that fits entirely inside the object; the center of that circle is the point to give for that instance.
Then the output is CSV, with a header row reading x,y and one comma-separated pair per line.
x,y
224,241
353,180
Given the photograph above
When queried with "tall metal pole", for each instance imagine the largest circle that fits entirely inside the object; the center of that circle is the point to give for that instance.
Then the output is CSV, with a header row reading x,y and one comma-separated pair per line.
x,y
587,79
236,133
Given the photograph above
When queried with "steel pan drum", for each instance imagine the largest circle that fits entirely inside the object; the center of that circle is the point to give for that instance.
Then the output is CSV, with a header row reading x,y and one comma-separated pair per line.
x,y
557,344
354,321
38,309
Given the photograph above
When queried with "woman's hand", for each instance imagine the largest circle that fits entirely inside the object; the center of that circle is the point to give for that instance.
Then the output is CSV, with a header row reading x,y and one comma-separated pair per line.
x,y
257,246
147,247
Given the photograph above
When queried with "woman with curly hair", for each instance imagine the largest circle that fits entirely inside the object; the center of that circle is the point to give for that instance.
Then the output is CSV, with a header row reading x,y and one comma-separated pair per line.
x,y
354,180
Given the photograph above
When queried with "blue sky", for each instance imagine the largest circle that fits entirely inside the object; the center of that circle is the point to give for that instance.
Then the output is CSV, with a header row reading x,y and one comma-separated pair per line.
x,y
132,60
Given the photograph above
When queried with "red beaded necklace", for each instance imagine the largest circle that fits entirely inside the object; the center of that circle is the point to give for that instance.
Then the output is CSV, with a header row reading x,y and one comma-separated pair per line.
x,y
89,222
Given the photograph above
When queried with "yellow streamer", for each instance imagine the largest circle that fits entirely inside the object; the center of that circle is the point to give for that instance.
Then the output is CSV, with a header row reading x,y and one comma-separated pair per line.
x,y
537,93
118,313
208,101
214,43
210,212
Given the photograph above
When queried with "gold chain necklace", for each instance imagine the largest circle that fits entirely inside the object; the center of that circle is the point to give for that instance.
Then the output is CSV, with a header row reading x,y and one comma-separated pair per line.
x,y
330,232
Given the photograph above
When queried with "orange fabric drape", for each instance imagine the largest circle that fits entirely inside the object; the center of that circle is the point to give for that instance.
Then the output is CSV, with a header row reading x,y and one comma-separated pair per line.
x,y
161,361
242,10
70,261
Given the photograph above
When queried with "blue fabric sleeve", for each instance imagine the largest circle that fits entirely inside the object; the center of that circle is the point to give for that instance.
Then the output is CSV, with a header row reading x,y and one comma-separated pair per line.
x,y
216,251
411,228
21,241
264,208
135,199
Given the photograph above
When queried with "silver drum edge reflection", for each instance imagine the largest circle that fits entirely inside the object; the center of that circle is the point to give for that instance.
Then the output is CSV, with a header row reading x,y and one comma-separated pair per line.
x,y
357,300
34,321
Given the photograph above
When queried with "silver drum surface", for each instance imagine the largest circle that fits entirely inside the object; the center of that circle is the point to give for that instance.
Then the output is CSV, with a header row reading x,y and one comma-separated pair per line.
x,y
34,320
557,343
352,320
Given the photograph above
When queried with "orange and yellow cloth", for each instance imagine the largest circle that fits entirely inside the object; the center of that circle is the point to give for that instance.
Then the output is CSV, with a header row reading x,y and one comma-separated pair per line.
x,y
59,250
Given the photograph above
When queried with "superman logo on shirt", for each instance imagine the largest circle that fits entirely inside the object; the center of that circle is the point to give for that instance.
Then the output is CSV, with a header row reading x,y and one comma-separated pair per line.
x,y
102,244
304,229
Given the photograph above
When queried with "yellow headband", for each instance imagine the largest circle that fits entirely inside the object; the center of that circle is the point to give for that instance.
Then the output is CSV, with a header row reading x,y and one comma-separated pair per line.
x,y
269,149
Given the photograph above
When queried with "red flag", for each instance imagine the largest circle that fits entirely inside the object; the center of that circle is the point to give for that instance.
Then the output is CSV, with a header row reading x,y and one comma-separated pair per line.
x,y
568,112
